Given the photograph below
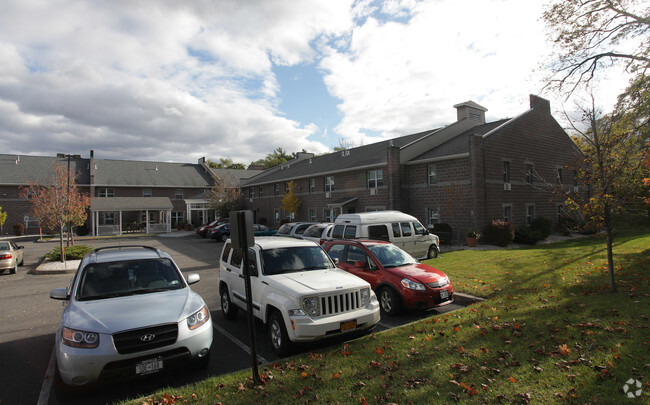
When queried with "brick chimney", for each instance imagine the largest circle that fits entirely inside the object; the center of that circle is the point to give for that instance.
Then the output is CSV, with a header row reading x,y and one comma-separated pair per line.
x,y
540,104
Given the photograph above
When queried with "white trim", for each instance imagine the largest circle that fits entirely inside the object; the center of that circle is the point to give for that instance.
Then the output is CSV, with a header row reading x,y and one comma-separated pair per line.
x,y
438,159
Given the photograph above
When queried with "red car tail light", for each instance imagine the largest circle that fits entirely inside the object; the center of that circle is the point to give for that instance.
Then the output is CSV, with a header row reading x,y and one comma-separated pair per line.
x,y
5,257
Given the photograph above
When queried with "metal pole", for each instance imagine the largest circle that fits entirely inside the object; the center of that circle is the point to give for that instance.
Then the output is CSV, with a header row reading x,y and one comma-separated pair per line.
x,y
68,205
249,300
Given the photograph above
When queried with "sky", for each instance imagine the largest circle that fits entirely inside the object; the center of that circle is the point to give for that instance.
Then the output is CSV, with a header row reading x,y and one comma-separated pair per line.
x,y
175,81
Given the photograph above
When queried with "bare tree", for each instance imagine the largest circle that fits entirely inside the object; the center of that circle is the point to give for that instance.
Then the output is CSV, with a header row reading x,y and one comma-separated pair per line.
x,y
591,34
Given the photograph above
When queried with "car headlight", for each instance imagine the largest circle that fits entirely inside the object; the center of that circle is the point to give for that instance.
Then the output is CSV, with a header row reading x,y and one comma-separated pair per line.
x,y
440,283
311,306
198,318
365,296
79,338
412,285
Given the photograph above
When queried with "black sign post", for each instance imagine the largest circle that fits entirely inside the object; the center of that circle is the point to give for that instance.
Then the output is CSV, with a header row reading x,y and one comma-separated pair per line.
x,y
241,237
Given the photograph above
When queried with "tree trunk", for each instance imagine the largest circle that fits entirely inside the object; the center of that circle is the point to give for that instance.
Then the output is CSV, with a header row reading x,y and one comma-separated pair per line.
x,y
61,244
609,232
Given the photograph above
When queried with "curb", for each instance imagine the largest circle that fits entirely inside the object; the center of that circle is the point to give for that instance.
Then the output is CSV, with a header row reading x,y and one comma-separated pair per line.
x,y
462,298
39,270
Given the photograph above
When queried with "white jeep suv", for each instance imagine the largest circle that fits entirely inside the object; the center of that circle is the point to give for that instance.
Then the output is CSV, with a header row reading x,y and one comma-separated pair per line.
x,y
297,291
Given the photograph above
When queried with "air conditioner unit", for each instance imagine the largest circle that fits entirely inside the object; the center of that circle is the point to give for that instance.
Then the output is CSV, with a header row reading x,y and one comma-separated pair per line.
x,y
251,200
328,194
575,189
507,186
373,191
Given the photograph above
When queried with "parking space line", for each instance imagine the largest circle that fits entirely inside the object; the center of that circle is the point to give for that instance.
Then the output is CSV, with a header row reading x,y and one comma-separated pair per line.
x,y
44,396
237,342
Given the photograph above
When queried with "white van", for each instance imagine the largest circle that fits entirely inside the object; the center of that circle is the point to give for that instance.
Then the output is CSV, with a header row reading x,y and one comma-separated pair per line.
x,y
397,227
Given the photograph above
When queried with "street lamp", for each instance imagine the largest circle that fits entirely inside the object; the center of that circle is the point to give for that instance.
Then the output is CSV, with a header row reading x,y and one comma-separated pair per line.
x,y
68,156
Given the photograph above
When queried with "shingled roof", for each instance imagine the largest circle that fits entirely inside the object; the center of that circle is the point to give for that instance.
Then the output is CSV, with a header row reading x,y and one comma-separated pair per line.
x,y
22,170
150,174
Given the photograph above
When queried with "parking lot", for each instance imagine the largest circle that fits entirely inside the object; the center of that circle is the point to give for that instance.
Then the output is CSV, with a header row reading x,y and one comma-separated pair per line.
x,y
29,320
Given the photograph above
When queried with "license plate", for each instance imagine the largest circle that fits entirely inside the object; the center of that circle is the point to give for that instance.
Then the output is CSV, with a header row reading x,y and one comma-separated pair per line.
x,y
444,294
148,366
348,325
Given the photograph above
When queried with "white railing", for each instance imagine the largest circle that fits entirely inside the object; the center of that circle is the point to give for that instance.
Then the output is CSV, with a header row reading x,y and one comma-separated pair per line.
x,y
108,230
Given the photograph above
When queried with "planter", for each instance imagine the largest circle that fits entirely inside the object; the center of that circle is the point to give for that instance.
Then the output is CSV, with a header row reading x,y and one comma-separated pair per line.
x,y
472,242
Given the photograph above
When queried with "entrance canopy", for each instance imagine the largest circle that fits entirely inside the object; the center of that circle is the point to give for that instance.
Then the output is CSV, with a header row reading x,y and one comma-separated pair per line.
x,y
156,210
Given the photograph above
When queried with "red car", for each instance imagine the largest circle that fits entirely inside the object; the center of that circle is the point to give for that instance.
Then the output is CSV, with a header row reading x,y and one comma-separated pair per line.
x,y
204,229
396,277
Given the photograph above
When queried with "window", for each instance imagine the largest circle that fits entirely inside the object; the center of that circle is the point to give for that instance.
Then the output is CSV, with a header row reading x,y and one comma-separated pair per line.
x,y
329,184
558,176
261,191
327,215
406,228
350,232
105,192
507,213
419,229
530,214
433,216
336,252
575,178
560,211
251,193
312,215
375,178
178,194
506,171
396,230
108,218
337,231
286,188
312,185
177,216
529,174
378,232
146,192
276,215
276,189
432,174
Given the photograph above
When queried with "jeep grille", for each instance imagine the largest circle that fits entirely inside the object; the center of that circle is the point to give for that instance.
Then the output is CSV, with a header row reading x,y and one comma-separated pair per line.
x,y
340,303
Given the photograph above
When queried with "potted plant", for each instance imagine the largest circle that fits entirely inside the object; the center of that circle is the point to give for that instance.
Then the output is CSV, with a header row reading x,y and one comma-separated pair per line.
x,y
472,238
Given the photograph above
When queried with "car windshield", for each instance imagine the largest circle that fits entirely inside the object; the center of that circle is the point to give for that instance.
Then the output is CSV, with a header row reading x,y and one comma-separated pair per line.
x,y
4,246
294,259
107,280
391,256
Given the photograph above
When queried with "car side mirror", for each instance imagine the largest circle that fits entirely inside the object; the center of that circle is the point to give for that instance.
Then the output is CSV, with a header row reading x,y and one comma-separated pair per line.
x,y
361,264
193,278
252,270
336,261
20,247
59,294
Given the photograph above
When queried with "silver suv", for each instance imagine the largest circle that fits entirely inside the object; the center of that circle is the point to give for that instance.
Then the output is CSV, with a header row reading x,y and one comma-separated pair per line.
x,y
129,312
297,292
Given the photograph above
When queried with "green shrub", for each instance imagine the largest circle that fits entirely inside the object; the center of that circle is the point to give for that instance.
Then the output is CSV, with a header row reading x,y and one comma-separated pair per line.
x,y
75,252
543,225
527,235
499,232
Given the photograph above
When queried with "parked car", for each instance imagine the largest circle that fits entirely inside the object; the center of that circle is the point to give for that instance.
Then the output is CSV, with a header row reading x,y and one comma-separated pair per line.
x,y
130,312
11,256
401,229
263,230
297,292
396,277
318,233
221,232
294,229
203,230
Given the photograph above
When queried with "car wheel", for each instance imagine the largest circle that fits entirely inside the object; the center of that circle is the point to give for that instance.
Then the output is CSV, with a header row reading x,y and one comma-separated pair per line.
x,y
15,269
433,252
228,309
278,335
22,261
224,237
389,301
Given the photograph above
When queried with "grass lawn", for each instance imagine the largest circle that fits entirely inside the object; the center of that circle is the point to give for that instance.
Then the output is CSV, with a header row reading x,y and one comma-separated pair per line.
x,y
550,332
